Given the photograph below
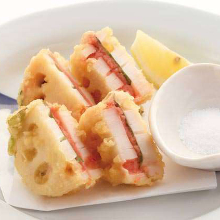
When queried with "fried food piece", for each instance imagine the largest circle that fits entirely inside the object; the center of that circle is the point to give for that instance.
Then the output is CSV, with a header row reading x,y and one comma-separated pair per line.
x,y
48,152
48,78
120,136
102,65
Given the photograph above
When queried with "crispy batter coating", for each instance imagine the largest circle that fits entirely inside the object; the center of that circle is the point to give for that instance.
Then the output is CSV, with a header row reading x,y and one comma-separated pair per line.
x,y
84,69
43,80
93,121
39,159
87,69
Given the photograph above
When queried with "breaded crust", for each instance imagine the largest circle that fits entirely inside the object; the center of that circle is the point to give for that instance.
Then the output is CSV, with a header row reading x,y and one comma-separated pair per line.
x,y
85,69
43,80
37,143
93,122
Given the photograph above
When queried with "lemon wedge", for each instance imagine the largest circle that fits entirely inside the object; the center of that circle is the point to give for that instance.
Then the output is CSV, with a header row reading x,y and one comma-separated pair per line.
x,y
156,60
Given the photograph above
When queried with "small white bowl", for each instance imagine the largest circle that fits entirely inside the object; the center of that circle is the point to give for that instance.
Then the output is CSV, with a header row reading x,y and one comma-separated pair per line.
x,y
194,87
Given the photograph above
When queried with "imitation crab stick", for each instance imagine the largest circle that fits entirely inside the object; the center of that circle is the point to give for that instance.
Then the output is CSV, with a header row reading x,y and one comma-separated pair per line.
x,y
68,126
128,153
48,151
102,65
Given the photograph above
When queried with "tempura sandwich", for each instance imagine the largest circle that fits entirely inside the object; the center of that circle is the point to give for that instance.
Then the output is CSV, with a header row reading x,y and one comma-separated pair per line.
x,y
48,151
102,64
48,78
120,135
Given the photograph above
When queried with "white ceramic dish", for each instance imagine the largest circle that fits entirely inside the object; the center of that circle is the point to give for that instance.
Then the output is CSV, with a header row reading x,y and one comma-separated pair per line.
x,y
193,87
192,33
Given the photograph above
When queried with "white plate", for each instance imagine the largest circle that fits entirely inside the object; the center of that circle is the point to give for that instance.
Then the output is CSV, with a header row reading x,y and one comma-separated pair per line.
x,y
192,33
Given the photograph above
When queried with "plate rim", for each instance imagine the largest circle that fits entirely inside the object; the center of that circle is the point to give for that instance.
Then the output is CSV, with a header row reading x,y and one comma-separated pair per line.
x,y
83,2
213,213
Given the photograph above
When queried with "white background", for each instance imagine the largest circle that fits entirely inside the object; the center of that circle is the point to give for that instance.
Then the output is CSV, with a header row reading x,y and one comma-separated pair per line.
x,y
11,9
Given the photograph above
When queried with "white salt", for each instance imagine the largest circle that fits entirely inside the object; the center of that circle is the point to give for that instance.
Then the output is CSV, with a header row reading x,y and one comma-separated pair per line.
x,y
200,131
